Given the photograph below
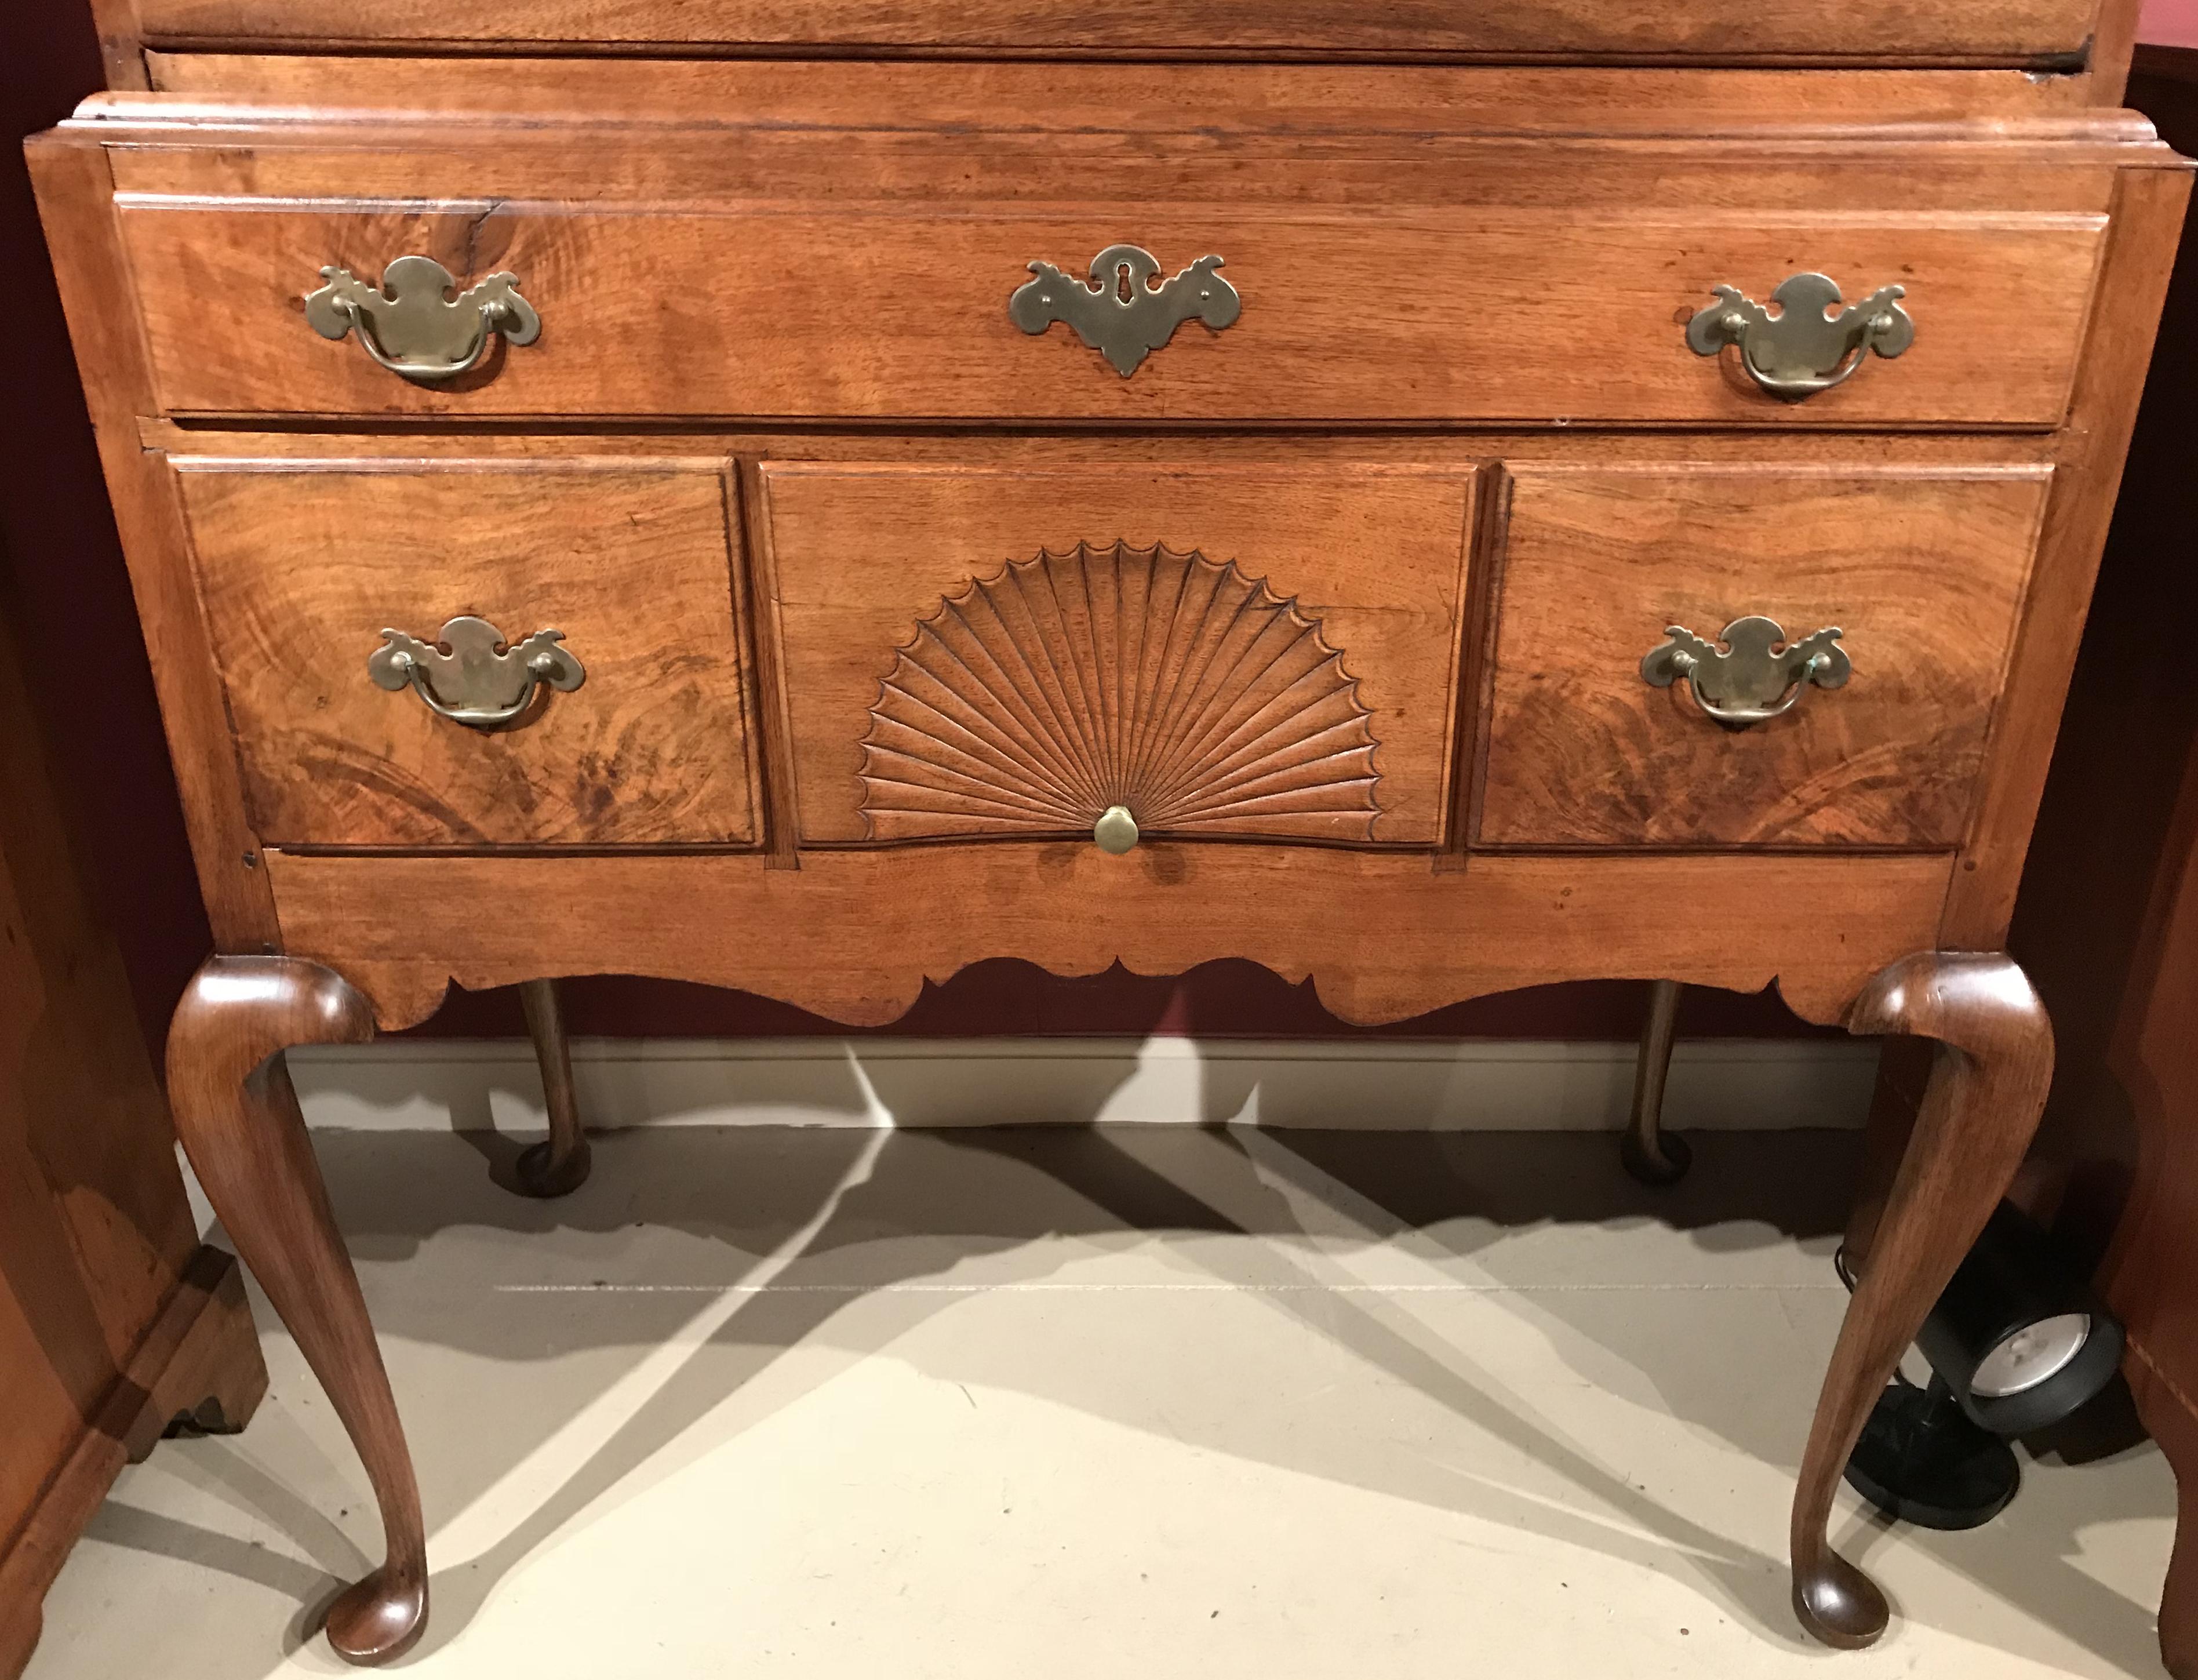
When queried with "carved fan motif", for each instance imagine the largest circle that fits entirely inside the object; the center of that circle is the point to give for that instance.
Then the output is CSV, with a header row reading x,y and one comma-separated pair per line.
x,y
1163,682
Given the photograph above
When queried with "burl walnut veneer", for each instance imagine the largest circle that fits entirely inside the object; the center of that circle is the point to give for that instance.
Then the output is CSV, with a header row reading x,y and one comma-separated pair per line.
x,y
1524,493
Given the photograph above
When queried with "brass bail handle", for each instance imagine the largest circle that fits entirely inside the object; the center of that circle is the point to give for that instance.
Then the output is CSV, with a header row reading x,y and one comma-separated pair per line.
x,y
1758,675
410,325
482,681
1805,348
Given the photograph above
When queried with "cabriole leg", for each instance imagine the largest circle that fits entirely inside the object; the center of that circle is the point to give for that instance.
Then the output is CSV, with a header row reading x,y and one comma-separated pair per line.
x,y
558,1166
237,1115
1988,1083
1648,1153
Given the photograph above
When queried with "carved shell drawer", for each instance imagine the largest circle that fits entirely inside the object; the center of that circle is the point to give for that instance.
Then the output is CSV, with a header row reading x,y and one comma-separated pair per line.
x,y
1227,652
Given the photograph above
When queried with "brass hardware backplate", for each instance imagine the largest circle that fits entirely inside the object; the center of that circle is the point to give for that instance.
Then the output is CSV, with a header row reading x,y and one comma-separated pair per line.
x,y
1120,313
474,677
1752,678
1805,348
413,326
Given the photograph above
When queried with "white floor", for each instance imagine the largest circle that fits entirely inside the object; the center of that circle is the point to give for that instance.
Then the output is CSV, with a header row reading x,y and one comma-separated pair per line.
x,y
1148,1401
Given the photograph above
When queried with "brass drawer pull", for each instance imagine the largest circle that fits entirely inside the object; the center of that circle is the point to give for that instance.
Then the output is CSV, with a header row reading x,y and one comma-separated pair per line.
x,y
1116,830
482,681
1803,348
1120,313
1751,684
413,326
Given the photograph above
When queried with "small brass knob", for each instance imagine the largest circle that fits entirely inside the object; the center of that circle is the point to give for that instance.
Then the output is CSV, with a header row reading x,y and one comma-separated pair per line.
x,y
1116,830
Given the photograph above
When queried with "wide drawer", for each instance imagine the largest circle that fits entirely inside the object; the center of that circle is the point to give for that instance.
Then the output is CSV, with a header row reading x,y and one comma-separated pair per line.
x,y
1921,571
1967,32
1224,652
1459,282
305,566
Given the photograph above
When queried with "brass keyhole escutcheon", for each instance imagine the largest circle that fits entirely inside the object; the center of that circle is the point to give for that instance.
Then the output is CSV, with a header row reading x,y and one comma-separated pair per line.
x,y
1116,830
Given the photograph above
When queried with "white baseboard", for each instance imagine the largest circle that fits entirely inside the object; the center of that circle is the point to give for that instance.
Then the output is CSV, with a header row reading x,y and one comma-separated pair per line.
x,y
1734,1084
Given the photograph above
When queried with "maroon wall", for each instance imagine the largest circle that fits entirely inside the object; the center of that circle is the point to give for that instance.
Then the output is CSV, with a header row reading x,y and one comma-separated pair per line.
x,y
79,637
54,519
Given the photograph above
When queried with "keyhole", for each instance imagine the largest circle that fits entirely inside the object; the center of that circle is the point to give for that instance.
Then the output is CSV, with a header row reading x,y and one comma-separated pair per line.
x,y
1124,288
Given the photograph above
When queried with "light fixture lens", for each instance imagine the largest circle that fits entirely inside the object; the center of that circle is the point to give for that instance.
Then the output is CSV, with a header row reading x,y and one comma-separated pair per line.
x,y
2034,1354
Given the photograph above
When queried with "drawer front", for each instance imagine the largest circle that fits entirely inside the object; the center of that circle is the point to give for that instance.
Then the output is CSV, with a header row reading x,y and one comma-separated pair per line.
x,y
1232,652
303,565
1971,31
1922,572
1464,312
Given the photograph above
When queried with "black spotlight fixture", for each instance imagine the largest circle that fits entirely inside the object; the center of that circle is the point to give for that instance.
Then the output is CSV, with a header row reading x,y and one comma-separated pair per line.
x,y
2018,1341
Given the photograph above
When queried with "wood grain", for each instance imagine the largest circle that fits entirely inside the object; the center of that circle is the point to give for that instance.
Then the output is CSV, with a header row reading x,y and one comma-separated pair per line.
x,y
2150,1270
98,1252
199,1359
237,1115
1987,1088
2149,205
74,190
1924,571
1399,98
121,43
1382,936
2171,1414
559,1164
757,310
2113,45
862,554
1157,451
1169,685
2144,1068
741,256
302,567
1973,31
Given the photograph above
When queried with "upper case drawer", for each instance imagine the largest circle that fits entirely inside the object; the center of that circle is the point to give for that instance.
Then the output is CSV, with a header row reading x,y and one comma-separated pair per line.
x,y
1962,30
303,565
1462,281
1923,571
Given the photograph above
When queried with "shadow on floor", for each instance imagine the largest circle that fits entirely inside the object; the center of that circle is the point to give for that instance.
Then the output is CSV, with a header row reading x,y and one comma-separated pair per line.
x,y
776,1234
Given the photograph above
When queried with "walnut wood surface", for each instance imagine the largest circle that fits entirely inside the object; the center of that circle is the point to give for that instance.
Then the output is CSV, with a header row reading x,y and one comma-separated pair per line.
x,y
1381,934
1972,30
2109,919
2170,1413
1375,556
302,567
2151,1269
106,1324
786,257
559,1164
199,1360
75,189
1539,311
1397,98
2148,212
1987,1088
1175,688
237,1115
1156,450
200,1366
1924,572
1864,168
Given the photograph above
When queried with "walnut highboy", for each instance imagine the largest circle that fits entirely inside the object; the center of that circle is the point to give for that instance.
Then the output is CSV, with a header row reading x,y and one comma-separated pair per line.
x,y
809,494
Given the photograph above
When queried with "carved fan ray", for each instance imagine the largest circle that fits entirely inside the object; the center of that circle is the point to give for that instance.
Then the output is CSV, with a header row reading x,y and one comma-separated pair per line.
x,y
1168,683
